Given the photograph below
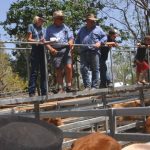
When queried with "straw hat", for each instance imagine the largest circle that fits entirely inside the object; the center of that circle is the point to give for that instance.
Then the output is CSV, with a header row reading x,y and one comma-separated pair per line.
x,y
22,133
91,17
58,13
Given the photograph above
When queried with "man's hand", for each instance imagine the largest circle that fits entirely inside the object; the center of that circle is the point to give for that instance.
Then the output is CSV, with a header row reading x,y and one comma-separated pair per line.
x,y
53,51
71,42
97,45
42,40
112,44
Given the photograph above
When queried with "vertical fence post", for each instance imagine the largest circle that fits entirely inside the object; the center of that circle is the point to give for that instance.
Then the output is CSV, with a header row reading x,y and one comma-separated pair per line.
x,y
104,101
141,96
148,57
112,122
37,110
46,71
28,64
131,66
111,63
77,75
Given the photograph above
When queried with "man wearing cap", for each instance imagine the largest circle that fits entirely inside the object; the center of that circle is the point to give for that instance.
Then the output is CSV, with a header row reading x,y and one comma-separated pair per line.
x,y
89,54
61,50
36,33
105,79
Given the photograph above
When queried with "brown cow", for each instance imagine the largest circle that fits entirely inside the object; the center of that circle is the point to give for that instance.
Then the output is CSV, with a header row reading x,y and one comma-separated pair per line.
x,y
139,146
96,141
55,121
135,103
147,125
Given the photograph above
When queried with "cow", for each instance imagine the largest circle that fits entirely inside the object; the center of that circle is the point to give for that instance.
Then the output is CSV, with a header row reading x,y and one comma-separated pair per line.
x,y
96,141
55,121
137,146
147,125
135,103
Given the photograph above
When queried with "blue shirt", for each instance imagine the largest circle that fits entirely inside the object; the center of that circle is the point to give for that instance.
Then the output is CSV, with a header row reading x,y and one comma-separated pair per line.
x,y
90,36
62,33
37,32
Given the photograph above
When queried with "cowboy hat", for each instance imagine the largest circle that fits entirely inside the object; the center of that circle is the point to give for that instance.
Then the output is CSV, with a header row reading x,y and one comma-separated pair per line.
x,y
58,13
91,17
22,133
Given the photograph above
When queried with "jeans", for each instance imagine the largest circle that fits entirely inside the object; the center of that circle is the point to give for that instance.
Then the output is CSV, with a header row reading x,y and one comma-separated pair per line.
x,y
37,64
105,79
89,61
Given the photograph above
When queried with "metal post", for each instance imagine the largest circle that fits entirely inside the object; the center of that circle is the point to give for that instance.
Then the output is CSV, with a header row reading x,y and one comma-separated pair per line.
x,y
111,60
131,66
141,97
112,122
148,58
46,72
37,110
28,65
104,101
77,75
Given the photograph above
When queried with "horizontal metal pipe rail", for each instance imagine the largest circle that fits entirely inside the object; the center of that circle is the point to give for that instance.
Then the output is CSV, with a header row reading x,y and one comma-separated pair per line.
x,y
55,42
6,101
17,48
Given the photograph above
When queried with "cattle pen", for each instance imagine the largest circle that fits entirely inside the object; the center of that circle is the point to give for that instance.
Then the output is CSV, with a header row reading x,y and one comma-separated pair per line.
x,y
87,112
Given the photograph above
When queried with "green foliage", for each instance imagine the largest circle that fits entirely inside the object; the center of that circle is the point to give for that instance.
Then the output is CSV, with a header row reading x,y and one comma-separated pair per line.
x,y
124,71
9,81
19,64
22,12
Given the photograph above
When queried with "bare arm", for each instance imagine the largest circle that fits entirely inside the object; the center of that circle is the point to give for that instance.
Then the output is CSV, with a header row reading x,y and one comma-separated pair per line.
x,y
29,37
52,50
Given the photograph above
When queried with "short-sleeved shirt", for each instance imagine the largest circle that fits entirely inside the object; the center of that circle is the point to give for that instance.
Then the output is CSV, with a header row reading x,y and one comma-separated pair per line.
x,y
141,53
63,33
37,32
92,36
105,49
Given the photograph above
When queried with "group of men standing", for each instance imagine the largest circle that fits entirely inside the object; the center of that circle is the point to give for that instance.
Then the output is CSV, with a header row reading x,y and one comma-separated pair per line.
x,y
93,52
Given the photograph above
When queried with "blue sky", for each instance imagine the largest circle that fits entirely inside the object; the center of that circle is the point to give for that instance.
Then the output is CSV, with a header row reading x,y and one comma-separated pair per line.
x,y
4,8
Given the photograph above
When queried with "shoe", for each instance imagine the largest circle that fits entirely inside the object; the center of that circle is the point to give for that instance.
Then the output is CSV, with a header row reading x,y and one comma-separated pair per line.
x,y
43,94
110,84
92,89
102,86
144,82
86,89
54,91
60,91
31,94
139,83
69,89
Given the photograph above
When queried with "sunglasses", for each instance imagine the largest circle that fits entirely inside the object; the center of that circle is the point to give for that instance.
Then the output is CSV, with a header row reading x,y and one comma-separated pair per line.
x,y
60,19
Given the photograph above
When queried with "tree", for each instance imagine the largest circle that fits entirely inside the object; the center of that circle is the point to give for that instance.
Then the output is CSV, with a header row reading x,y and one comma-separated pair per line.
x,y
133,16
123,72
22,12
9,81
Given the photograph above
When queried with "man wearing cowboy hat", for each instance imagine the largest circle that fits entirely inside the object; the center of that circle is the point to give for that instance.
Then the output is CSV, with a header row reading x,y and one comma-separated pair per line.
x,y
61,53
89,54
